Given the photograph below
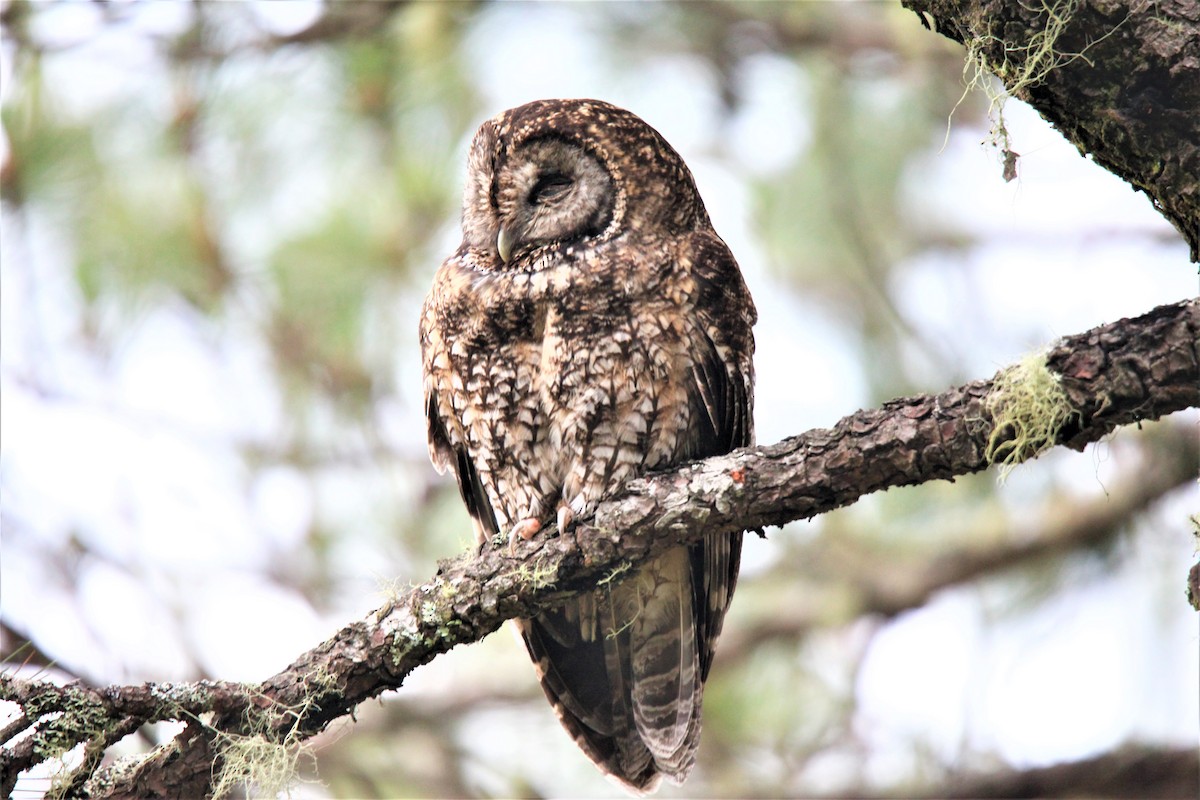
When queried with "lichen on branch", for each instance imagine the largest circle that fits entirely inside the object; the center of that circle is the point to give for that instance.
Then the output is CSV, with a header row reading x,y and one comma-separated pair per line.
x,y
1029,409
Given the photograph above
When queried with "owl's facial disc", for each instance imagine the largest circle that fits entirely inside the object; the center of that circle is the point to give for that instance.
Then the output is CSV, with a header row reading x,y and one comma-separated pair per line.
x,y
550,191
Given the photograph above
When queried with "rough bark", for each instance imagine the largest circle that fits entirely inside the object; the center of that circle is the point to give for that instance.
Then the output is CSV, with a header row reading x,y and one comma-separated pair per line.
x,y
1134,773
1120,80
842,583
1121,373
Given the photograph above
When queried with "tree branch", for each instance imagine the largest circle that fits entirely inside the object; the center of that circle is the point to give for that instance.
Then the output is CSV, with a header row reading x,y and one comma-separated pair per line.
x,y
1116,374
847,582
1137,773
1131,772
1120,80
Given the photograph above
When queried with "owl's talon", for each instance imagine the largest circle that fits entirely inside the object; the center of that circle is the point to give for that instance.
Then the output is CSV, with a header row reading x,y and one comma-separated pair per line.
x,y
565,515
525,529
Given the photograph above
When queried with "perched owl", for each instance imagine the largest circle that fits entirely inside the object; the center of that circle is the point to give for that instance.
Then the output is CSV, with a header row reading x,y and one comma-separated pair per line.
x,y
593,327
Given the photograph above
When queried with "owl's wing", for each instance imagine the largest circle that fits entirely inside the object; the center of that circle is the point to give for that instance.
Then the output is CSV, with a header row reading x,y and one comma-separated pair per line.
x,y
446,454
676,605
447,440
722,400
722,396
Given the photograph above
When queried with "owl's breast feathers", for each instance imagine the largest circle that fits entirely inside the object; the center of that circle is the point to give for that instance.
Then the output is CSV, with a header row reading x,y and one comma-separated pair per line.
x,y
554,386
617,360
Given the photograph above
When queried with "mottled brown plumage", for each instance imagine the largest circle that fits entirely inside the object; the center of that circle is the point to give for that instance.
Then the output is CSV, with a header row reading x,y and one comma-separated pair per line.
x,y
592,327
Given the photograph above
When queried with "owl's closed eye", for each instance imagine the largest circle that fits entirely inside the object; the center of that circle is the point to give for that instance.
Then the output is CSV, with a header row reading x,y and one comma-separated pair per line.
x,y
547,190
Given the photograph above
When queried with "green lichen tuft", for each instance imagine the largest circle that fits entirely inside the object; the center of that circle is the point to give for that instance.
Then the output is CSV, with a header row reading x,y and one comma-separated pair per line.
x,y
394,590
616,573
262,757
1029,408
407,639
320,681
77,718
254,759
540,576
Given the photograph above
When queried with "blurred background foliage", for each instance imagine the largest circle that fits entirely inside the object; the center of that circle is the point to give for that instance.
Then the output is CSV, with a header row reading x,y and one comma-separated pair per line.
x,y
219,220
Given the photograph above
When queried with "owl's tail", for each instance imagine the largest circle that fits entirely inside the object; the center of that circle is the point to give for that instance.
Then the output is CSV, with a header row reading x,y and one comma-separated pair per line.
x,y
621,667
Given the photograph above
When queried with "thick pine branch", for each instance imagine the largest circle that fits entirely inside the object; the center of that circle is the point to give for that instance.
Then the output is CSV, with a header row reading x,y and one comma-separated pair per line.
x,y
1130,772
1117,374
842,583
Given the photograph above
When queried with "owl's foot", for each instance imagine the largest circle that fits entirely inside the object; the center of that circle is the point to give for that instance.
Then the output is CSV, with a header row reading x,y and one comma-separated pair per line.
x,y
565,515
525,529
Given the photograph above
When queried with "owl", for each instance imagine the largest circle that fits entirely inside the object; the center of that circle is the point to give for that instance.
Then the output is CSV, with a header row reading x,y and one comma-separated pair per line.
x,y
592,327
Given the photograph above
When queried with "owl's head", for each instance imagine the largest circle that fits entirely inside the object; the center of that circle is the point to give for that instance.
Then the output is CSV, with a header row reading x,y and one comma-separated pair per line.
x,y
560,173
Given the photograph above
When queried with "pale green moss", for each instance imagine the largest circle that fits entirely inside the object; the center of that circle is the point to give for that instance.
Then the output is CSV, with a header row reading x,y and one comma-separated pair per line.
x,y
1028,408
261,758
616,573
1018,68
269,766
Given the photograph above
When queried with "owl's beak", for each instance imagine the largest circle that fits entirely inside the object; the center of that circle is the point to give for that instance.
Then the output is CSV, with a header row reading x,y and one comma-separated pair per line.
x,y
504,244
